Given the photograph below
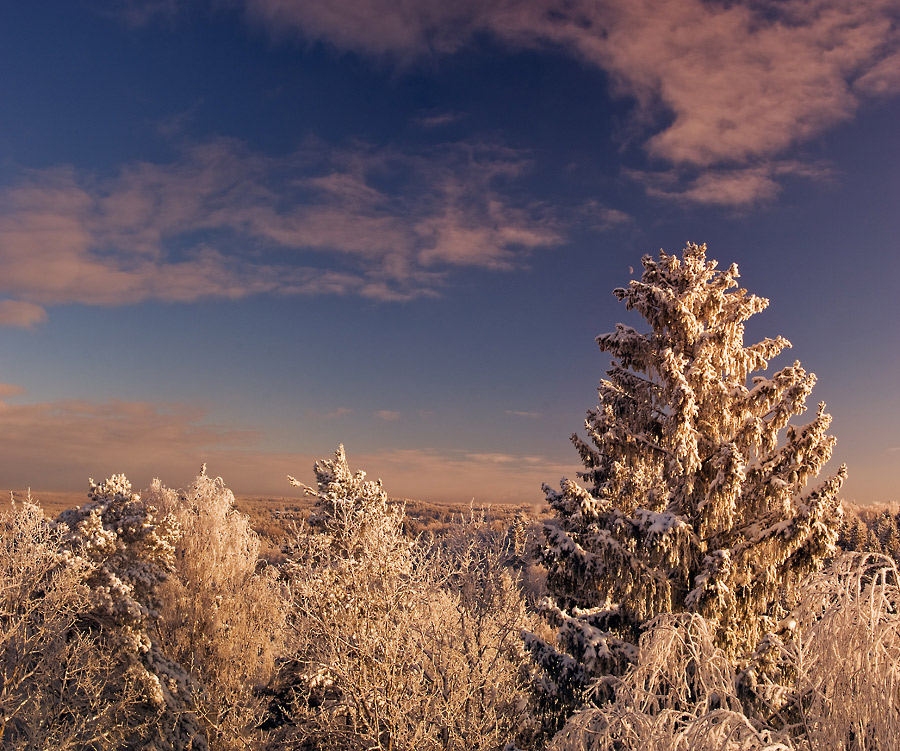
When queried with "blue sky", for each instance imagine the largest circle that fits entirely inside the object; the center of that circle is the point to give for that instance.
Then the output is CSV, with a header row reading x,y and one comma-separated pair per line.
x,y
242,232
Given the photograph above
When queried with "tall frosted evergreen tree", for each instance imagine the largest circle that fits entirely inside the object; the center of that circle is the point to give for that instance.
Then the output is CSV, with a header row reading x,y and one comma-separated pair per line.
x,y
694,495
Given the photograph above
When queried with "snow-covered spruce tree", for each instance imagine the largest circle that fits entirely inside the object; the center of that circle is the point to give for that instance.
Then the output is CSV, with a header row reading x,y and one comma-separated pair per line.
x,y
694,496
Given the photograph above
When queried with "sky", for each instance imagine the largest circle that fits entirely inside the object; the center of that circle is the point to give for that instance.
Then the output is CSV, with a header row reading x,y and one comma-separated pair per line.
x,y
242,232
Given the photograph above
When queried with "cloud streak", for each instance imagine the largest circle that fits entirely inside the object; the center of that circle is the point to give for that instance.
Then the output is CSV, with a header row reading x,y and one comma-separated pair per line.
x,y
716,85
735,187
392,225
488,478
57,445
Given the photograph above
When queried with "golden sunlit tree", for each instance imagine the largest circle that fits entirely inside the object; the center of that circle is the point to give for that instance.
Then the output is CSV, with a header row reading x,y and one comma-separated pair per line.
x,y
694,494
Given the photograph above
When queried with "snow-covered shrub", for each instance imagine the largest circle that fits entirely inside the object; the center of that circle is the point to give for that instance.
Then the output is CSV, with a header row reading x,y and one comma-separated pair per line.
x,y
53,672
680,695
395,646
132,547
82,667
219,614
472,641
695,496
831,680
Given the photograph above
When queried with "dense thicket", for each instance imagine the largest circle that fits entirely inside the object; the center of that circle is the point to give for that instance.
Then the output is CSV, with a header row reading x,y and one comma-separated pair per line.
x,y
152,623
871,532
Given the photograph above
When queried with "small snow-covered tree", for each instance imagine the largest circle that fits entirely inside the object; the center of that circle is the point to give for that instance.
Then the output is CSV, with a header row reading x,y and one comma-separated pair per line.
x,y
396,645
129,551
220,613
354,512
53,671
694,496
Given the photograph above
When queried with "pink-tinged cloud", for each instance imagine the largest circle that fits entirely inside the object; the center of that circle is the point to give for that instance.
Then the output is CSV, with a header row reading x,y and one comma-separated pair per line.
x,y
142,12
520,413
735,83
335,413
388,415
735,188
67,236
459,476
439,119
882,80
601,218
57,446
20,314
10,389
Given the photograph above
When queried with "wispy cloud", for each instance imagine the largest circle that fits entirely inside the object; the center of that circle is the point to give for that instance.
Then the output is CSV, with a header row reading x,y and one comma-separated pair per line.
x,y
520,413
440,474
142,12
716,85
335,413
735,187
600,217
10,389
56,445
387,415
439,119
203,226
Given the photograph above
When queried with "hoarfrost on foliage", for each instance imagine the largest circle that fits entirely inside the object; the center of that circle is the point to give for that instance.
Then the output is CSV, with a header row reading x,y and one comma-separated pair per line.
x,y
825,678
694,491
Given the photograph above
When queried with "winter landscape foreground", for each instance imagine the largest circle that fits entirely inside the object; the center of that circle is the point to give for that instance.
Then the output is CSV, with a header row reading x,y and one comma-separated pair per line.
x,y
698,587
